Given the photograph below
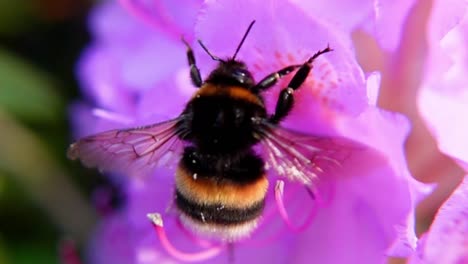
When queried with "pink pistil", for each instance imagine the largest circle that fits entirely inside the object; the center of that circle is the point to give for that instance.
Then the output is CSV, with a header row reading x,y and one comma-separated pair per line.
x,y
279,190
157,222
314,195
271,213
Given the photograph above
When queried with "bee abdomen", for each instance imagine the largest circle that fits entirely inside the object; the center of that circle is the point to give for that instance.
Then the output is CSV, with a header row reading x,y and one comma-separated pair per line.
x,y
218,213
219,208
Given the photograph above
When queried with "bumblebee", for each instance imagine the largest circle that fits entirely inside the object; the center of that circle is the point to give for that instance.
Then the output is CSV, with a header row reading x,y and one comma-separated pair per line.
x,y
221,178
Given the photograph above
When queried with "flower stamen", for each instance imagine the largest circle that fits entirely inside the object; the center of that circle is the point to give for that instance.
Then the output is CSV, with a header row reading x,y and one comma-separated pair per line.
x,y
269,215
157,222
279,190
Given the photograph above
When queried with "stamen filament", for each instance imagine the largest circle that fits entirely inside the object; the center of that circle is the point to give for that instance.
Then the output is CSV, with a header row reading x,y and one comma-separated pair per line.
x,y
279,190
157,222
322,201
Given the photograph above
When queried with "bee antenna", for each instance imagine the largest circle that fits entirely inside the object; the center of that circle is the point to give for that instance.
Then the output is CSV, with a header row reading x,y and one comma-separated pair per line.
x,y
213,57
243,39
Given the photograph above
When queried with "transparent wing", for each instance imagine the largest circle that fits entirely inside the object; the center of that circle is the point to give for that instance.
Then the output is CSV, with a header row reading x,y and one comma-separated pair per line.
x,y
302,157
134,151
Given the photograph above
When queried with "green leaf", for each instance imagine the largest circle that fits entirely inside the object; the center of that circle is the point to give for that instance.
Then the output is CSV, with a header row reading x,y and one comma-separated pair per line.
x,y
26,91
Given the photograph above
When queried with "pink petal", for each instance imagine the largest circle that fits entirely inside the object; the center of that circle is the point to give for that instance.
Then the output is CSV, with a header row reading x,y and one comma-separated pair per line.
x,y
110,23
98,74
447,239
168,98
111,20
118,241
359,225
338,12
446,14
386,132
390,16
85,122
137,56
445,117
276,40
443,100
112,236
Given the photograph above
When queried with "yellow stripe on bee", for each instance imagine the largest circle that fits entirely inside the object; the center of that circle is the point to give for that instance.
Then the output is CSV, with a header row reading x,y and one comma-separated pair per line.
x,y
231,91
209,192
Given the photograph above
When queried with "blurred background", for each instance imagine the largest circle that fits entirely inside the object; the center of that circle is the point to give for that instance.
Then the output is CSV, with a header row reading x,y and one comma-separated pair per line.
x,y
44,199
46,202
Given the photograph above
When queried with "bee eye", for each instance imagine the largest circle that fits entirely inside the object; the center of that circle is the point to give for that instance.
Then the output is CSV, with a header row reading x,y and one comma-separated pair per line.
x,y
238,113
240,75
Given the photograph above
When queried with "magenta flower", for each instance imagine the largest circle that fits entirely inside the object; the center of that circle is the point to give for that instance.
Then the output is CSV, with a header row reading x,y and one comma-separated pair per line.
x,y
125,62
384,19
424,76
442,99
136,73
444,94
447,239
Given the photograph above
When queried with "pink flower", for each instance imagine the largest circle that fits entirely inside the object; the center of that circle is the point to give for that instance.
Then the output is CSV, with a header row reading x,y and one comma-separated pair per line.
x,y
443,100
444,94
447,239
133,75
423,78
384,19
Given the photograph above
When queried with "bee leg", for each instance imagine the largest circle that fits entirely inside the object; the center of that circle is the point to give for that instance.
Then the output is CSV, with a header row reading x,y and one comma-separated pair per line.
x,y
286,98
194,71
273,78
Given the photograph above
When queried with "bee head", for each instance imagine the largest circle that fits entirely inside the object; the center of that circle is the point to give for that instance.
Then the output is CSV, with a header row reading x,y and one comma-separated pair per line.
x,y
231,71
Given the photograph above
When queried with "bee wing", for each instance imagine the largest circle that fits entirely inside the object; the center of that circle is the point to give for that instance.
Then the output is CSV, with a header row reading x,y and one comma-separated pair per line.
x,y
303,157
132,151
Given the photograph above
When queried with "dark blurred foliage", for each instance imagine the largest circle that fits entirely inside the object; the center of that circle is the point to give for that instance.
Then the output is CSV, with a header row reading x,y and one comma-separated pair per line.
x,y
44,199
